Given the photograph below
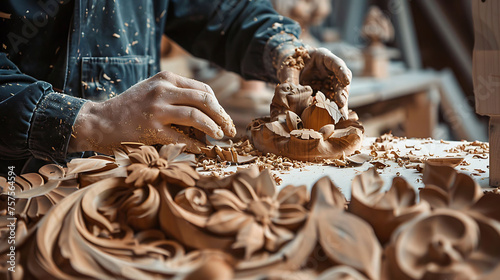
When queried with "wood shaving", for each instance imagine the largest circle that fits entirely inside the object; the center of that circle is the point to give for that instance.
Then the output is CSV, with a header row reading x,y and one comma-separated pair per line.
x,y
298,59
378,164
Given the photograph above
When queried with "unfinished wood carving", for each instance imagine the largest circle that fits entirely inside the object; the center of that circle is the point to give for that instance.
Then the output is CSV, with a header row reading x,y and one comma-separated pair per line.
x,y
160,221
377,29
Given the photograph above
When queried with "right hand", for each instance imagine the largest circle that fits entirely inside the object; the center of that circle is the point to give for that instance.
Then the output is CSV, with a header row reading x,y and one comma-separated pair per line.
x,y
144,113
323,71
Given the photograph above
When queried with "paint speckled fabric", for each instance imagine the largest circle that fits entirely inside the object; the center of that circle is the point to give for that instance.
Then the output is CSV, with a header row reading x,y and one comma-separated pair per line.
x,y
56,54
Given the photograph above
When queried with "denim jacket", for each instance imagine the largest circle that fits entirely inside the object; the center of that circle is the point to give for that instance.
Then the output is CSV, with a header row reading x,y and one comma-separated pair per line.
x,y
56,54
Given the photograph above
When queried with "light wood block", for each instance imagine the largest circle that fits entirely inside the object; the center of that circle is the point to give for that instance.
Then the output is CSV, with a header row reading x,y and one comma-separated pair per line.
x,y
495,151
421,116
486,74
486,56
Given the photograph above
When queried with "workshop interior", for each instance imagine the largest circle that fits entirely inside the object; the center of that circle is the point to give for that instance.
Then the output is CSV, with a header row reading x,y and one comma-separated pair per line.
x,y
373,151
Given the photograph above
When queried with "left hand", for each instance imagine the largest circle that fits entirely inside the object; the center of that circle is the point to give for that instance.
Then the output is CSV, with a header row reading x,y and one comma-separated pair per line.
x,y
324,72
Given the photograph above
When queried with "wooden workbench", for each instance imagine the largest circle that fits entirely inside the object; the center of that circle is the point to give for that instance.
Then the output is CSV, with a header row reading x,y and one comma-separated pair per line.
x,y
343,176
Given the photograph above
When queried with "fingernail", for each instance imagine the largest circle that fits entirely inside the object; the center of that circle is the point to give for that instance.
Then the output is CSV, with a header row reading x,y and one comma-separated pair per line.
x,y
220,134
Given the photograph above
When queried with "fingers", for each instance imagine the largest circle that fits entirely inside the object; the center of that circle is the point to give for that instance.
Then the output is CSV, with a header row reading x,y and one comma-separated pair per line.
x,y
334,64
189,92
208,104
341,96
187,83
190,116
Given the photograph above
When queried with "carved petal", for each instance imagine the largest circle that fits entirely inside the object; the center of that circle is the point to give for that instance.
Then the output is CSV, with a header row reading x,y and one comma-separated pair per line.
x,y
251,238
290,216
293,121
325,192
244,190
331,107
131,147
224,199
80,165
277,128
440,176
399,196
465,192
435,196
276,236
171,151
349,240
265,184
293,195
488,205
366,187
121,157
327,130
51,171
227,222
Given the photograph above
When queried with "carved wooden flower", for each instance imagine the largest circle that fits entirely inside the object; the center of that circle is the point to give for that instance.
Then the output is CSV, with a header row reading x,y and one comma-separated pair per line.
x,y
258,216
384,211
149,165
446,244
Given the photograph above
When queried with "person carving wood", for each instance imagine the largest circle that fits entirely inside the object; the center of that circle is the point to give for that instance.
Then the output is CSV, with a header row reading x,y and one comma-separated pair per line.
x,y
80,75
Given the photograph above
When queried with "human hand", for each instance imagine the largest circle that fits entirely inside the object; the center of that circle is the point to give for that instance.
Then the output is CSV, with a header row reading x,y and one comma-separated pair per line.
x,y
323,71
146,112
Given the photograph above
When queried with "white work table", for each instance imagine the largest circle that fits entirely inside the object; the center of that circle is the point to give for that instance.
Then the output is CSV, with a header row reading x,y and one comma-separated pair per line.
x,y
343,176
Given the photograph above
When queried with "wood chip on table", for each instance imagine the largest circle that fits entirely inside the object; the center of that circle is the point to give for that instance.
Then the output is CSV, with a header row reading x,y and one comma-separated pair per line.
x,y
452,161
378,164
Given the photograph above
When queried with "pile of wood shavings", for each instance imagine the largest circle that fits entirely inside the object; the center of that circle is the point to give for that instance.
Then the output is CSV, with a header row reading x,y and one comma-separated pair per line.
x,y
383,150
478,149
276,164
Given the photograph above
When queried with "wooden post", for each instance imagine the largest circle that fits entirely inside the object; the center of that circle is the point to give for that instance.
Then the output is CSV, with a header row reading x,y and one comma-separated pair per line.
x,y
486,74
421,115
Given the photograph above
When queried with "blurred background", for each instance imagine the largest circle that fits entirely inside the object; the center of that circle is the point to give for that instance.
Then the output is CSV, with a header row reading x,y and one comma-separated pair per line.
x,y
411,60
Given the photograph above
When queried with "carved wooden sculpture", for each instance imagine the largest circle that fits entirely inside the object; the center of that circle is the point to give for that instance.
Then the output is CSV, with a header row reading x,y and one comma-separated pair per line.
x,y
306,127
149,215
377,29
486,74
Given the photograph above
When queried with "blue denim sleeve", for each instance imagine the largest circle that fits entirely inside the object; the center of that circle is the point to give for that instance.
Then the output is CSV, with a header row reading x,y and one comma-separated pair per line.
x,y
35,121
243,36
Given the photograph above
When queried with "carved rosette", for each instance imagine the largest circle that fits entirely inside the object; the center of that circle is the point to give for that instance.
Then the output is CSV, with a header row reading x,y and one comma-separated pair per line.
x,y
457,239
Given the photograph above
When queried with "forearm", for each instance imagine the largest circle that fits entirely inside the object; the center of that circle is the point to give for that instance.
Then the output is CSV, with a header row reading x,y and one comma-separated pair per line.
x,y
241,36
36,120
